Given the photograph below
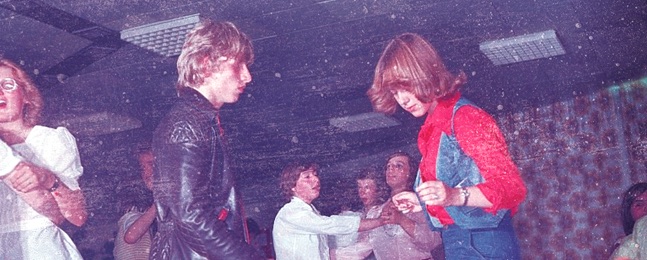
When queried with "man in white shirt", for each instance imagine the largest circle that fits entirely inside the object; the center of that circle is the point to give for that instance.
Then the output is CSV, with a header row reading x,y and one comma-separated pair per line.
x,y
299,230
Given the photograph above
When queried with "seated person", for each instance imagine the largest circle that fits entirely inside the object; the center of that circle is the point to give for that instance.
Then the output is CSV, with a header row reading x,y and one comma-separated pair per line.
x,y
134,234
300,232
260,238
634,220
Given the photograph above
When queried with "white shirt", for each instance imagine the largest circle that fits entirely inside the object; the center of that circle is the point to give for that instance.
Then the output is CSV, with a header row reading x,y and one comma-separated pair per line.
x,y
33,235
392,242
300,232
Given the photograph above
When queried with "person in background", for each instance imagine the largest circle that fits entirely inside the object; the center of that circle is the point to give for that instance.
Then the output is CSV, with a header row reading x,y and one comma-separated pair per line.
x,y
198,212
408,235
43,191
261,238
634,221
135,230
300,231
468,185
372,191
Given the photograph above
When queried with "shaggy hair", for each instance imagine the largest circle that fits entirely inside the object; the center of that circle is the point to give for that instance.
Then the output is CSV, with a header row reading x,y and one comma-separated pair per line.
x,y
290,176
206,46
411,63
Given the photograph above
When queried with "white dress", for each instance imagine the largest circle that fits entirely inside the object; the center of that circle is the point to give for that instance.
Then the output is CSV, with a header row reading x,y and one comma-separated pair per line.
x,y
24,233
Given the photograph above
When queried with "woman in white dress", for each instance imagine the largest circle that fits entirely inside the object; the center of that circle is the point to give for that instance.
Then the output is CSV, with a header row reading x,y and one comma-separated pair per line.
x,y
43,191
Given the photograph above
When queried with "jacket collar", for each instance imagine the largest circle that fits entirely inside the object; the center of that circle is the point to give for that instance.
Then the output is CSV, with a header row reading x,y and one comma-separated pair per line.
x,y
197,100
441,116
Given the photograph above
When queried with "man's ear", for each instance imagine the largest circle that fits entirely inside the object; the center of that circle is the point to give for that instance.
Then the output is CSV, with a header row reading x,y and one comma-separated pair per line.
x,y
206,68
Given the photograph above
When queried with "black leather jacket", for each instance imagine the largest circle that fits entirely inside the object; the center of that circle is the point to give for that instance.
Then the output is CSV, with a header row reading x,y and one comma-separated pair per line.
x,y
192,184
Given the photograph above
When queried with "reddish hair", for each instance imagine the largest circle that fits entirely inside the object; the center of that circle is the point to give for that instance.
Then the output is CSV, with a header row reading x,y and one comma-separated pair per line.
x,y
411,63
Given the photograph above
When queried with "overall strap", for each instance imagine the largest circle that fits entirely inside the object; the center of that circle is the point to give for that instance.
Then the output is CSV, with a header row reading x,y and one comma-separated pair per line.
x,y
461,102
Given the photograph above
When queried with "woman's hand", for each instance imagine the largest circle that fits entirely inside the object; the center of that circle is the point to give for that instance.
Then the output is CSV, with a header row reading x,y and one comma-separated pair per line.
x,y
28,177
437,193
391,214
406,202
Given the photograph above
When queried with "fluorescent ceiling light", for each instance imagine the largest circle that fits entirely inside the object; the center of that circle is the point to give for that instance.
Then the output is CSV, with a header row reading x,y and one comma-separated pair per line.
x,y
522,48
363,122
165,37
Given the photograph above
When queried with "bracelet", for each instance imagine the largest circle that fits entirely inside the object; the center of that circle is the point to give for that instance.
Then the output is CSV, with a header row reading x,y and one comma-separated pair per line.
x,y
54,186
465,194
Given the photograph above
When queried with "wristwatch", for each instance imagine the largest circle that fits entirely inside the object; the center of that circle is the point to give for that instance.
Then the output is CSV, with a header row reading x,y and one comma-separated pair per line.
x,y
54,186
465,194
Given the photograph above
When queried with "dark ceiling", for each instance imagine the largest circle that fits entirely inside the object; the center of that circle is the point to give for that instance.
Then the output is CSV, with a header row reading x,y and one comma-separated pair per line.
x,y
314,62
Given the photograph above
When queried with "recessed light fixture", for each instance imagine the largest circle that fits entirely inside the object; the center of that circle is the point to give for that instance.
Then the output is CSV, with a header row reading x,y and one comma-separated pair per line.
x,y
165,37
363,122
522,48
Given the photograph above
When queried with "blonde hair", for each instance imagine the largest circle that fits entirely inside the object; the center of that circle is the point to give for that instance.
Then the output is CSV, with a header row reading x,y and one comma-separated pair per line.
x,y
33,101
411,63
204,48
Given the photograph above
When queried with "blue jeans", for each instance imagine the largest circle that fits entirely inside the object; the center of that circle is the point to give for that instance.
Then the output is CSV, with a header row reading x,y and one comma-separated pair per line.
x,y
487,243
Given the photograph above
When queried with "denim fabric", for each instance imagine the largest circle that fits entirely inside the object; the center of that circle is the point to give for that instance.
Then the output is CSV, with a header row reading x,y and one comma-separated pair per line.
x,y
456,169
487,243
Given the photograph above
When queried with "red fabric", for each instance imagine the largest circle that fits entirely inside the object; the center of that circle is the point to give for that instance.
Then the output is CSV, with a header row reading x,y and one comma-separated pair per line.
x,y
480,138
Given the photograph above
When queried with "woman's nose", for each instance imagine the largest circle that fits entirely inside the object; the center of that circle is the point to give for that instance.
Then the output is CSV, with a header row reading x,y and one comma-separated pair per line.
x,y
401,98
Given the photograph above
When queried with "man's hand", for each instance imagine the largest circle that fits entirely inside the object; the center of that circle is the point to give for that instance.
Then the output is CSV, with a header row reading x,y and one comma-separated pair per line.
x,y
28,177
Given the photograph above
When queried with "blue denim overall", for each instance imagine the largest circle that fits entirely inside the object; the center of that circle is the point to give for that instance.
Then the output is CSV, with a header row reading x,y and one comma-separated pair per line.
x,y
475,234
